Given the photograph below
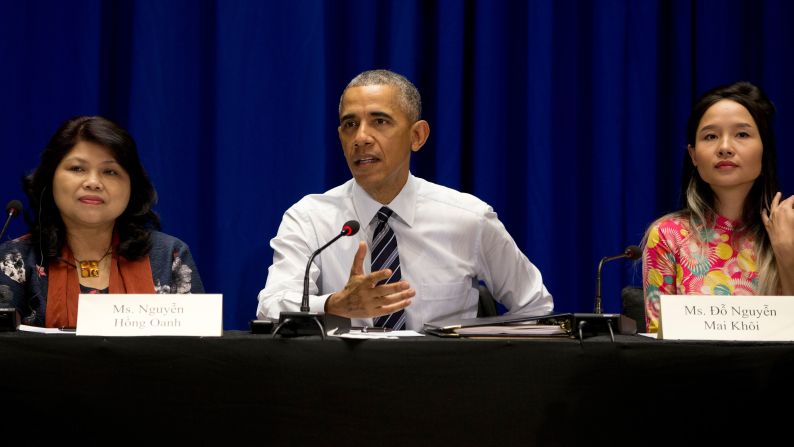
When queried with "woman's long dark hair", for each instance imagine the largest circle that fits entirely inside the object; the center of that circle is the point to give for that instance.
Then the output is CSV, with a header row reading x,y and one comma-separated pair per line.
x,y
133,226
697,197
765,186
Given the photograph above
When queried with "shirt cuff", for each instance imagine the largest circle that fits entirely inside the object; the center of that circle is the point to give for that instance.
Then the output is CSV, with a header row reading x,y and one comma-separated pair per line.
x,y
317,302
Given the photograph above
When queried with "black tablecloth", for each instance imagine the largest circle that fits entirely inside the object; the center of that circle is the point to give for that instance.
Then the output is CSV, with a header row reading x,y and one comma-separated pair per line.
x,y
410,392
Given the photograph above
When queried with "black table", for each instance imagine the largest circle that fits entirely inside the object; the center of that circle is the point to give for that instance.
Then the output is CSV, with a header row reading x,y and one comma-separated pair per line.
x,y
242,387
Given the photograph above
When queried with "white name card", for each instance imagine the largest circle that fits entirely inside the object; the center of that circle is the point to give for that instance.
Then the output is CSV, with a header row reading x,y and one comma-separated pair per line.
x,y
124,315
738,318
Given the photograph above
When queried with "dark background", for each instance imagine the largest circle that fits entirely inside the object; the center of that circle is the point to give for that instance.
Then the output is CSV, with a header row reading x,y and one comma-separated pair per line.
x,y
566,116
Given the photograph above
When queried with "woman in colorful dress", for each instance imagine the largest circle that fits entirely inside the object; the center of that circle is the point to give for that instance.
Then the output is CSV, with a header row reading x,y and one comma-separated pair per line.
x,y
92,229
735,233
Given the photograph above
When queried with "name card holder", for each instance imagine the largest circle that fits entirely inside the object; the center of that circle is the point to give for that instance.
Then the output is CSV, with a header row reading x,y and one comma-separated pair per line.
x,y
729,318
125,315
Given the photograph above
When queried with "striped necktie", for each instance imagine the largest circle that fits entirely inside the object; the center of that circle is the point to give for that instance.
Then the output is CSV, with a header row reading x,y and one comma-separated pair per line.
x,y
385,256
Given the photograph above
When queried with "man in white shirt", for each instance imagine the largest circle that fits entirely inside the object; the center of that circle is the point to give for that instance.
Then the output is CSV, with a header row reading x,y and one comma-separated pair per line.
x,y
446,241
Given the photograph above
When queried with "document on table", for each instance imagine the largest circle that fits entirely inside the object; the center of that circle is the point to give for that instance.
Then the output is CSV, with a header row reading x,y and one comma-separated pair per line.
x,y
518,325
375,334
46,330
528,329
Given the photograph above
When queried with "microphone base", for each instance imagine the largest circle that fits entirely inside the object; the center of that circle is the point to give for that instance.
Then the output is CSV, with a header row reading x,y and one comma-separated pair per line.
x,y
300,324
8,319
586,325
261,326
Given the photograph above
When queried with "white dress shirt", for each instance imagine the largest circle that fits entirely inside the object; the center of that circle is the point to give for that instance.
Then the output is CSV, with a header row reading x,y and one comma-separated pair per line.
x,y
447,241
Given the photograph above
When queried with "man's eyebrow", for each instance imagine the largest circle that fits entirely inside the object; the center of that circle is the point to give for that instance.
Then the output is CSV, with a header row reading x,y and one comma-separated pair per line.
x,y
375,114
380,115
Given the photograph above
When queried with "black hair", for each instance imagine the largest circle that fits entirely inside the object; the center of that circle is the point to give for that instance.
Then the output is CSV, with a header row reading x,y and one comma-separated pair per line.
x,y
133,226
766,185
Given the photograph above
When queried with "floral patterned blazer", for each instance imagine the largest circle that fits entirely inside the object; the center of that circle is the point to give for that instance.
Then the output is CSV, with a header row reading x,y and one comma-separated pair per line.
x,y
23,282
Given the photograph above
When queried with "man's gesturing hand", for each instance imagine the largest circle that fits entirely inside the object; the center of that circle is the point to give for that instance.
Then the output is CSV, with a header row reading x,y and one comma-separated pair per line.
x,y
363,298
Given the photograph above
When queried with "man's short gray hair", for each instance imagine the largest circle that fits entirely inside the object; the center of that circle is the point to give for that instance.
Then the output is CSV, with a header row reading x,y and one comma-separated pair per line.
x,y
409,97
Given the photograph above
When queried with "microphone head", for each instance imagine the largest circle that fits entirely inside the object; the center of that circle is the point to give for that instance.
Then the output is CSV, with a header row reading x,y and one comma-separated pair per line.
x,y
633,252
14,207
350,227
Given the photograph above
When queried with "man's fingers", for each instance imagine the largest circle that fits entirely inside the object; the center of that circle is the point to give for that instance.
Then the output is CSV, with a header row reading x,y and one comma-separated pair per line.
x,y
380,275
362,300
358,261
394,298
388,289
393,307
386,293
366,288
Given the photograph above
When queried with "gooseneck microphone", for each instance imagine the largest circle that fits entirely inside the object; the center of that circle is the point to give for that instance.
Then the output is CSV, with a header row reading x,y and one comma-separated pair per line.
x,y
631,252
348,229
598,322
14,209
306,322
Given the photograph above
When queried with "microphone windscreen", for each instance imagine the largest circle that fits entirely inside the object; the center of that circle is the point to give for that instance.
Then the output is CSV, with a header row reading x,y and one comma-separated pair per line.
x,y
14,206
350,227
633,252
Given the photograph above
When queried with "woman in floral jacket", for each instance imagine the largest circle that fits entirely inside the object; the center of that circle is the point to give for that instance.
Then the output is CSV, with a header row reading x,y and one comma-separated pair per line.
x,y
92,229
735,234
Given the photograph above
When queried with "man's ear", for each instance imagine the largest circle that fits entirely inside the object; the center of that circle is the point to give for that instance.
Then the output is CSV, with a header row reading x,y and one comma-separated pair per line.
x,y
420,131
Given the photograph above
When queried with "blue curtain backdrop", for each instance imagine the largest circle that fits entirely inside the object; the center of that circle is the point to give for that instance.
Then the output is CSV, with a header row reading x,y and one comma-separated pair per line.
x,y
566,116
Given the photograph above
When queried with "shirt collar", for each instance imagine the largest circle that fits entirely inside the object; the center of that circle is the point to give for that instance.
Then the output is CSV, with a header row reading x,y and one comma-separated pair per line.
x,y
404,205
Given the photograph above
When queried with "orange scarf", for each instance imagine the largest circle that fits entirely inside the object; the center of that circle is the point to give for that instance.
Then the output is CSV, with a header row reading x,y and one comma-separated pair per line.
x,y
64,285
